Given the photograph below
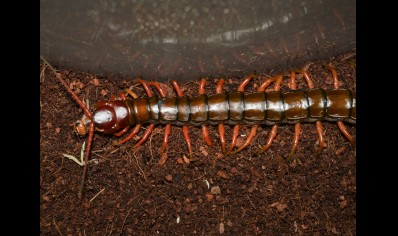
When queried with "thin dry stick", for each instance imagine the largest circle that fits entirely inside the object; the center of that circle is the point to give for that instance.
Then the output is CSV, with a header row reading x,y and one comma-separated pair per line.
x,y
143,173
125,218
56,226
96,195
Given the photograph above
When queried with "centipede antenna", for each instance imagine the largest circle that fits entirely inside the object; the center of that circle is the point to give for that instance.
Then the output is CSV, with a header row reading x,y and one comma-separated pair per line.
x,y
75,97
88,115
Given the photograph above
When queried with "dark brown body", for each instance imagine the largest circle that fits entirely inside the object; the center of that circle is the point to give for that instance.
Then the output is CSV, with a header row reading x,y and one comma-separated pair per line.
x,y
253,108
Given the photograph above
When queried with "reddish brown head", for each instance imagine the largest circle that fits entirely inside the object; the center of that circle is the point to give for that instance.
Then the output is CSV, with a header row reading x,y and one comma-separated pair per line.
x,y
111,116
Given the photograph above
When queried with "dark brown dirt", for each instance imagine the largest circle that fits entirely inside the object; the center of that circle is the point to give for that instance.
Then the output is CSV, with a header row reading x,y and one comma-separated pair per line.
x,y
127,192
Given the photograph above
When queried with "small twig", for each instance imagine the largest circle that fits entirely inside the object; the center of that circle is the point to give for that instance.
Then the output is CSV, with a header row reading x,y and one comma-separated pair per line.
x,y
125,218
49,65
56,226
42,73
96,195
251,201
143,173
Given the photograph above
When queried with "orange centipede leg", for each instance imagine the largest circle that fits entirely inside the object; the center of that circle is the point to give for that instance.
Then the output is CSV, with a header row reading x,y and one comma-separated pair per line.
x,y
235,134
123,131
185,130
336,83
131,93
344,130
177,88
146,87
206,136
113,97
221,130
249,139
131,135
157,85
167,131
321,139
297,130
245,81
145,137
205,129
270,139
122,96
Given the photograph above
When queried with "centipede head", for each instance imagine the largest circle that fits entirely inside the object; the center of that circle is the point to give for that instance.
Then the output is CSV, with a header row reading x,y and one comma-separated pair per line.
x,y
111,116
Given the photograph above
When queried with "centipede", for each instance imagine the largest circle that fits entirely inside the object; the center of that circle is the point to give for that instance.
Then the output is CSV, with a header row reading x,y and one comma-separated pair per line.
x,y
130,112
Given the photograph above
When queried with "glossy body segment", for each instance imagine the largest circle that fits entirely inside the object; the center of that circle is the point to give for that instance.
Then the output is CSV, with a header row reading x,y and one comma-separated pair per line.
x,y
255,107
251,108
218,107
296,106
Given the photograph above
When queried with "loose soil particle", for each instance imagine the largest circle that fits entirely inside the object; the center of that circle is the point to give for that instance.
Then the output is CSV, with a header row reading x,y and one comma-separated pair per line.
x,y
127,192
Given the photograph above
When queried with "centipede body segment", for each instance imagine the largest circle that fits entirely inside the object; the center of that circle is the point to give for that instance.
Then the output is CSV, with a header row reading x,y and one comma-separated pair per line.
x,y
118,115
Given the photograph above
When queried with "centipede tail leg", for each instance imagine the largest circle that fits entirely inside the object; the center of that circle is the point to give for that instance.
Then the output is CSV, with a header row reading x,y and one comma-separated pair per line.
x,y
235,133
340,124
185,130
205,129
167,129
278,81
